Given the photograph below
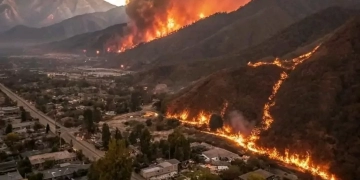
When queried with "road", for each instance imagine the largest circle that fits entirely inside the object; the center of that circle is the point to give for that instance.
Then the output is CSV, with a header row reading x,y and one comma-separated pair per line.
x,y
88,149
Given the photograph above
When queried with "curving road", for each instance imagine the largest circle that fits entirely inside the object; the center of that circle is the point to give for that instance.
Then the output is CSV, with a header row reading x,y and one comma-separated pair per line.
x,y
88,149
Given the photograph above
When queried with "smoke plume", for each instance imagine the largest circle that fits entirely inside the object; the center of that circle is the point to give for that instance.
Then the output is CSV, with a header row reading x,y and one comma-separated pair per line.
x,y
239,123
151,19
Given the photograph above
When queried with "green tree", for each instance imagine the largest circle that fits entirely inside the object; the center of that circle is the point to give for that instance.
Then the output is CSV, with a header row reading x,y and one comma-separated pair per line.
x,y
24,167
106,135
97,115
148,122
12,137
118,135
47,128
8,129
216,122
179,145
88,120
117,164
37,126
232,173
145,142
135,133
23,116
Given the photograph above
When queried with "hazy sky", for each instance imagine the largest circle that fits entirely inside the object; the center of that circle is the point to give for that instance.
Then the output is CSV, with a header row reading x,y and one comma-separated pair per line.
x,y
117,2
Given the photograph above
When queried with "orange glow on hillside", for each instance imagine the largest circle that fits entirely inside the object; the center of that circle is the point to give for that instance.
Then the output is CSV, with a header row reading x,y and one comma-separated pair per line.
x,y
302,161
150,20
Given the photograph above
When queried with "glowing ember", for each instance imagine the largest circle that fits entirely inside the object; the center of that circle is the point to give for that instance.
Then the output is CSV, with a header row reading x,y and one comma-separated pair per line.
x,y
302,161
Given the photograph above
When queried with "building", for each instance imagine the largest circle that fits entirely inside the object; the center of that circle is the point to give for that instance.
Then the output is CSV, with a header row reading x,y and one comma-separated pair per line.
x,y
219,154
7,167
259,173
6,111
163,170
23,125
11,176
64,171
59,157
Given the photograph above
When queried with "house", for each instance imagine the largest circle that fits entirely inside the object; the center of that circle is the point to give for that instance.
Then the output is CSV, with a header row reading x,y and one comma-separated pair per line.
x,y
163,170
219,154
10,110
7,167
12,176
58,157
64,171
218,166
260,173
23,125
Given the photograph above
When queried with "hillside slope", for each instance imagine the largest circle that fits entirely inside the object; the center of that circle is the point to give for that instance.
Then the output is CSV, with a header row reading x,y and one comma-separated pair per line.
x,y
292,38
86,41
38,13
317,108
65,29
225,32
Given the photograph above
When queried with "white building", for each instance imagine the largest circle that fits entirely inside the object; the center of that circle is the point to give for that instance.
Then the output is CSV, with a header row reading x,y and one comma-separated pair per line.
x,y
219,154
163,170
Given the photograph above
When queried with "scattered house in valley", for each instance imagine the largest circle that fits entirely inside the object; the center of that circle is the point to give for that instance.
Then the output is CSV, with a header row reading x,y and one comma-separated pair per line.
x,y
38,161
7,167
64,171
259,173
23,125
7,111
163,170
219,154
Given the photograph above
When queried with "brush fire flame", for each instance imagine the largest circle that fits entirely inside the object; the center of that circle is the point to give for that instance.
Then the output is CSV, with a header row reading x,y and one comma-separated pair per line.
x,y
301,161
152,19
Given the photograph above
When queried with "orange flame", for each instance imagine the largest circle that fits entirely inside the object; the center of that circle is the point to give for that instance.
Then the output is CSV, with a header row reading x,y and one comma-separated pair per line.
x,y
302,161
177,15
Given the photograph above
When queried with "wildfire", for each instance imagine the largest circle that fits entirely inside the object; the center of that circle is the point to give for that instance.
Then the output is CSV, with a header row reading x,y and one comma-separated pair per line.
x,y
302,161
152,19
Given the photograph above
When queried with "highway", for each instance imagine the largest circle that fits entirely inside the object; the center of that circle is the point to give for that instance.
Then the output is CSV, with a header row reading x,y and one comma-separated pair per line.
x,y
88,149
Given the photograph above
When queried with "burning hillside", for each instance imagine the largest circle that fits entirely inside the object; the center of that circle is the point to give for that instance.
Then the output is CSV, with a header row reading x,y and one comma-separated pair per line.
x,y
151,19
249,140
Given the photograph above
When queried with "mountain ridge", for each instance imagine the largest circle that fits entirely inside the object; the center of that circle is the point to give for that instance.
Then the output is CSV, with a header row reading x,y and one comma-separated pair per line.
x,y
76,25
39,13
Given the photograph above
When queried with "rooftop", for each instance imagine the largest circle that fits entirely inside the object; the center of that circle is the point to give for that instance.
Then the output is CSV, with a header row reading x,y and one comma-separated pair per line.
x,y
11,176
37,159
161,165
9,108
63,171
23,124
219,152
260,172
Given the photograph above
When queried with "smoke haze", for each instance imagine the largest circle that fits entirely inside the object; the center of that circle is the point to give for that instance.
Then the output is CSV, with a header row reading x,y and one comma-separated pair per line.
x,y
151,19
239,123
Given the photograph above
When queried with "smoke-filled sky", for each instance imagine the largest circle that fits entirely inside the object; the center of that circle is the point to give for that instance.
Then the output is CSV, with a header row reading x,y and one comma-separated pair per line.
x,y
117,2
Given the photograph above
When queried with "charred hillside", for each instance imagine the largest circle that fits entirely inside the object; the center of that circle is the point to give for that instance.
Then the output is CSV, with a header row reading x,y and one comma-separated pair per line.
x,y
292,38
244,89
317,108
